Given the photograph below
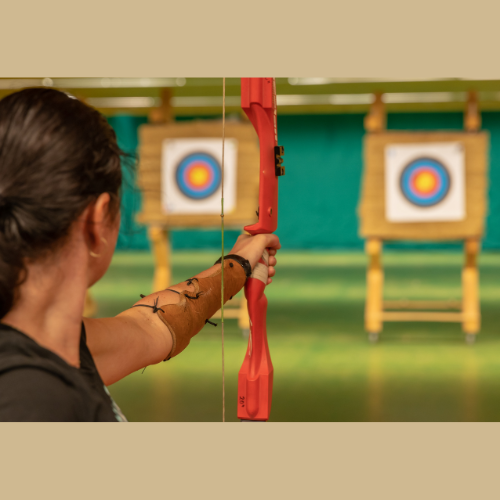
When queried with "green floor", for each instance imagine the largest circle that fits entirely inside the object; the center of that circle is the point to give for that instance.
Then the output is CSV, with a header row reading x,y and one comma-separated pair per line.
x,y
325,370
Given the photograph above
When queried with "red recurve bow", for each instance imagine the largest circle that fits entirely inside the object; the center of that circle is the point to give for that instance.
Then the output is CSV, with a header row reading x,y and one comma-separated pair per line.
x,y
255,379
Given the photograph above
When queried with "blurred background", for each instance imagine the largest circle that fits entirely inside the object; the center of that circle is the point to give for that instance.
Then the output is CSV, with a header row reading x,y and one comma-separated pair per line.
x,y
326,369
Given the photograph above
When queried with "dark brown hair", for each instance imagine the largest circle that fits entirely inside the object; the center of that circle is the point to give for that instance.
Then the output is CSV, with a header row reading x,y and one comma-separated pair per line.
x,y
57,155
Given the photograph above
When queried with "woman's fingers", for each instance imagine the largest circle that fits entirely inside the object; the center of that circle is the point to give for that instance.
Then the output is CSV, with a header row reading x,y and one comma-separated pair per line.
x,y
252,247
271,241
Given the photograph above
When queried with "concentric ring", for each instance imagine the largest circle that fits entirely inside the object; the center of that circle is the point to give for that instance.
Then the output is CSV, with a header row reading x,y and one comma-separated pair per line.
x,y
198,175
425,182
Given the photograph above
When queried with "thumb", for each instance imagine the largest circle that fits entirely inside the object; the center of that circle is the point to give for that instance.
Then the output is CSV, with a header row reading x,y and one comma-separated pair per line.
x,y
270,241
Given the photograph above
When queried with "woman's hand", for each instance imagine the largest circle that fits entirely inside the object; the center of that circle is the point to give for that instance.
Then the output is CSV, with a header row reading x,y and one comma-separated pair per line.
x,y
252,248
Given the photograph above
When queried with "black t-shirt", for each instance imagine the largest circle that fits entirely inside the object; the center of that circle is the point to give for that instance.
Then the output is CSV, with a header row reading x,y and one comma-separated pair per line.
x,y
36,385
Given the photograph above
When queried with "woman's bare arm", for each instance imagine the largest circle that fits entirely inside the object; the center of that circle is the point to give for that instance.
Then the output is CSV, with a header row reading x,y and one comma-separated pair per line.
x,y
137,337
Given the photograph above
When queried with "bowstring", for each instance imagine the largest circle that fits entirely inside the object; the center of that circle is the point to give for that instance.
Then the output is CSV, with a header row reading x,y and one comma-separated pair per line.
x,y
222,244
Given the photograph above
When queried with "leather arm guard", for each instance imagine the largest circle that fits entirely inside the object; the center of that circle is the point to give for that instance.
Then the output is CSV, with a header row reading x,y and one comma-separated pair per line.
x,y
186,318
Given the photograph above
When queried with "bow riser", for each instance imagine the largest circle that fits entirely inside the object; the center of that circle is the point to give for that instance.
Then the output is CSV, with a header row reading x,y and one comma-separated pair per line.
x,y
255,379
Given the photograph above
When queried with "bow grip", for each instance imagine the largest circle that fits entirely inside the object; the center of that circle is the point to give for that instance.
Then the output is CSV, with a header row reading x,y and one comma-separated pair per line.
x,y
255,379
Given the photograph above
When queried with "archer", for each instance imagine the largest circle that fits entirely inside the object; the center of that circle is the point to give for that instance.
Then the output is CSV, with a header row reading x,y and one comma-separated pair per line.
x,y
60,178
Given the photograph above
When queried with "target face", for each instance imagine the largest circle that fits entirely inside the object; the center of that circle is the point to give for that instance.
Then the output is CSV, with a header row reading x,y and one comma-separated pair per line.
x,y
191,177
424,182
198,175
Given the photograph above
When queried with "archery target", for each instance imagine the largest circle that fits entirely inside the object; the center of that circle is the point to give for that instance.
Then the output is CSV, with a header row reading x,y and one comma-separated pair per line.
x,y
198,175
425,182
192,175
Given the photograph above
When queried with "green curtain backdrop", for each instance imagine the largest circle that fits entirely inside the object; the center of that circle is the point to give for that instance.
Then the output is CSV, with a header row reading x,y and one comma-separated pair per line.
x,y
320,191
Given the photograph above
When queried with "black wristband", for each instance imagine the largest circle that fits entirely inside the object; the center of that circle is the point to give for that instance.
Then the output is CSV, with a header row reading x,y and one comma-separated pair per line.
x,y
240,260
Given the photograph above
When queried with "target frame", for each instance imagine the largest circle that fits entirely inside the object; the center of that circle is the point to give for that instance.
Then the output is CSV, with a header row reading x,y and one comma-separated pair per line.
x,y
376,222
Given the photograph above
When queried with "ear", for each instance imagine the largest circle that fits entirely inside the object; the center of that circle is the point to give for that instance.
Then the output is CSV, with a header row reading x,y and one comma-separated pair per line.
x,y
96,219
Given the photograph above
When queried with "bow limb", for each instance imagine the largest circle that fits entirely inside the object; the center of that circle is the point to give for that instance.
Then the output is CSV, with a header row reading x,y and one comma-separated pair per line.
x,y
255,379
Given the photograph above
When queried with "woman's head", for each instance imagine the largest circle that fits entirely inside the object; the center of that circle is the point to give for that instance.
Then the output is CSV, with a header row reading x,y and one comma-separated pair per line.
x,y
58,158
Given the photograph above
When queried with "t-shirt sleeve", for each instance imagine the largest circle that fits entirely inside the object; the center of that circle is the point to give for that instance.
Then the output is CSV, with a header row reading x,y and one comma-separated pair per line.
x,y
35,395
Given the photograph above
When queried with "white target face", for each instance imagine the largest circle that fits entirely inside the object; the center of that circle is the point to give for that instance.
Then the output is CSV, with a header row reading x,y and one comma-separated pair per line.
x,y
192,175
425,182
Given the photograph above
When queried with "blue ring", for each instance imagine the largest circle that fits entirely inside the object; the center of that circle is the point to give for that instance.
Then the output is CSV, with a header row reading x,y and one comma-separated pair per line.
x,y
414,198
185,163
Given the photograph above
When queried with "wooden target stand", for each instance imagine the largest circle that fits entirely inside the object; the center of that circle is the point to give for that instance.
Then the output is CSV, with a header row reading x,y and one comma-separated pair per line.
x,y
376,228
151,136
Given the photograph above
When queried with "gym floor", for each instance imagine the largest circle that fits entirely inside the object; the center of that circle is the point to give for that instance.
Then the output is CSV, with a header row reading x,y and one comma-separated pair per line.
x,y
324,367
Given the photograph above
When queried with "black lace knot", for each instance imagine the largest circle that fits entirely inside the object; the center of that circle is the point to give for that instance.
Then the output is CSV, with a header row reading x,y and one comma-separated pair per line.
x,y
154,306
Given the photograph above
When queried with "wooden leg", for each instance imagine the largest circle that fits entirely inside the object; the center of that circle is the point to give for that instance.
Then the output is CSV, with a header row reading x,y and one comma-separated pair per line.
x,y
90,308
161,250
244,318
374,289
470,289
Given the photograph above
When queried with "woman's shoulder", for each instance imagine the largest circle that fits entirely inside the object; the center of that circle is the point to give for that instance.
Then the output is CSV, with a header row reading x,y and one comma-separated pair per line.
x,y
29,394
35,384
17,351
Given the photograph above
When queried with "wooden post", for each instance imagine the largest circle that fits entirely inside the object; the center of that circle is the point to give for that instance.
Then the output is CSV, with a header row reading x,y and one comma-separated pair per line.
x,y
90,307
470,275
376,119
374,289
244,318
159,236
163,113
160,243
470,290
472,116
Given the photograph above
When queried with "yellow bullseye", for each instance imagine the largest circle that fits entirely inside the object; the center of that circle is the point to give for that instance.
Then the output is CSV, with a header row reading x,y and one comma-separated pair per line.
x,y
425,182
198,175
